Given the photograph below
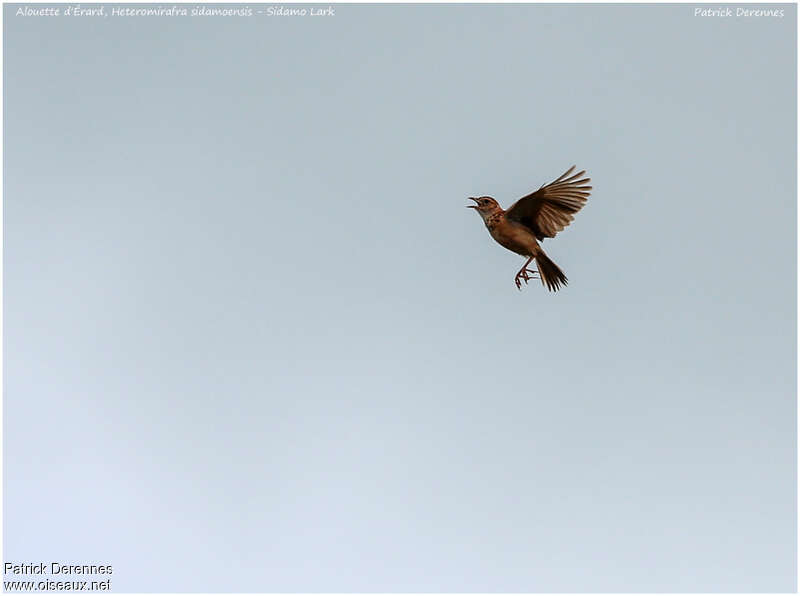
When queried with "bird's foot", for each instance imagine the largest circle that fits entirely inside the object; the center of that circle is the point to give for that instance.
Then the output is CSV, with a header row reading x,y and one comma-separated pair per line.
x,y
525,275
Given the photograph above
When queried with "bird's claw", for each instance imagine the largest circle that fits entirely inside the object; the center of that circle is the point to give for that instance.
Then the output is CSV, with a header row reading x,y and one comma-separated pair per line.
x,y
525,275
533,273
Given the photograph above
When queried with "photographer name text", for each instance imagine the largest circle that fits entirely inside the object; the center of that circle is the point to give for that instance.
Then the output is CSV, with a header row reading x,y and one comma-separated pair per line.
x,y
726,12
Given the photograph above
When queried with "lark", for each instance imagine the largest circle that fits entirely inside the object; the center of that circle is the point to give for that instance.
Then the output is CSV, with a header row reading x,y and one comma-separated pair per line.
x,y
539,215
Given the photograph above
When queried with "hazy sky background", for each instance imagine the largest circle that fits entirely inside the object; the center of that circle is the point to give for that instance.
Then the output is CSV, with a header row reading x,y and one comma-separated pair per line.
x,y
255,342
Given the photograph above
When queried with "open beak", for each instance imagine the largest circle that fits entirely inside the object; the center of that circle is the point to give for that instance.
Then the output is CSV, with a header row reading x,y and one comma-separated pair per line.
x,y
472,206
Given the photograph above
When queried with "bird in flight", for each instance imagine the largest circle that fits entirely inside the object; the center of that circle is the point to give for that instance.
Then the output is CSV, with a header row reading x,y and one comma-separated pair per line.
x,y
539,215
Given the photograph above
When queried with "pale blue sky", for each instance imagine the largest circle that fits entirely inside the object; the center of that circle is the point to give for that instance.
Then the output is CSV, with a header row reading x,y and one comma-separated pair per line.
x,y
254,341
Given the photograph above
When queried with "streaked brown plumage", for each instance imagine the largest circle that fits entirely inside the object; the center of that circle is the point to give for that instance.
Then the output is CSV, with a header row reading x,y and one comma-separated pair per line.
x,y
539,215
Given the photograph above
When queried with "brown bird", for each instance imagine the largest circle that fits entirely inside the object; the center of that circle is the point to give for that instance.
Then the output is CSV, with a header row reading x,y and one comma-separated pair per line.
x,y
539,215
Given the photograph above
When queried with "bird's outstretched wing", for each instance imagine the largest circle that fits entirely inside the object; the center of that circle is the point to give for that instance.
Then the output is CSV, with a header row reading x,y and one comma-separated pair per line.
x,y
551,208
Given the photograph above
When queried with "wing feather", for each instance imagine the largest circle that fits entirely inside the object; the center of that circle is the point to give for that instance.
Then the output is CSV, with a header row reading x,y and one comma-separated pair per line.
x,y
550,209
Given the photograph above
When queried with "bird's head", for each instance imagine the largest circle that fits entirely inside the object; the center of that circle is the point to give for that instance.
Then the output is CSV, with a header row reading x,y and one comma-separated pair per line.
x,y
485,206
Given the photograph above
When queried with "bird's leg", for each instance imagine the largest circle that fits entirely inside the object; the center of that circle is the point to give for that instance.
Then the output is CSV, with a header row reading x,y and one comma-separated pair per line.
x,y
525,274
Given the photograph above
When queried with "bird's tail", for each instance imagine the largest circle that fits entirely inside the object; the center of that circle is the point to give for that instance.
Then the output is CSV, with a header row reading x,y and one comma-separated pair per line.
x,y
551,275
